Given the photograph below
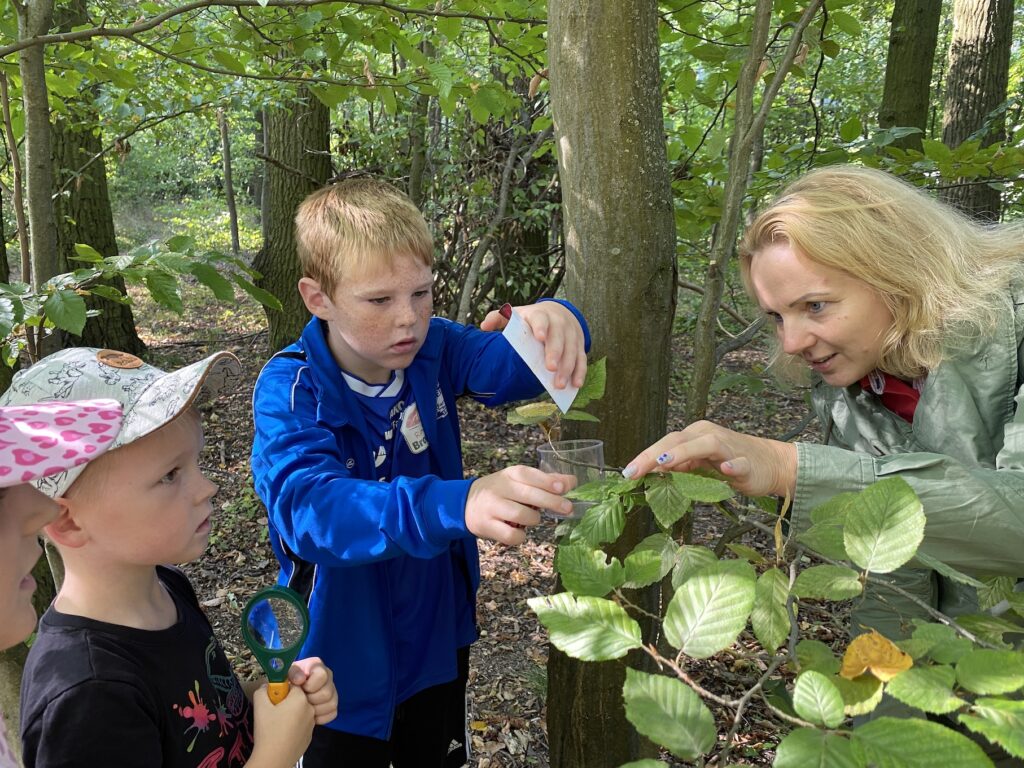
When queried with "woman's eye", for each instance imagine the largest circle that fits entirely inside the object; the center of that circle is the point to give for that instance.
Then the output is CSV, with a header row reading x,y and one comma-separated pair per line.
x,y
814,307
774,317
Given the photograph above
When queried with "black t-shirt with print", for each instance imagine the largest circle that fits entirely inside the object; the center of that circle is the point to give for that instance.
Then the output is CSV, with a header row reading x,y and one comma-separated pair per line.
x,y
97,694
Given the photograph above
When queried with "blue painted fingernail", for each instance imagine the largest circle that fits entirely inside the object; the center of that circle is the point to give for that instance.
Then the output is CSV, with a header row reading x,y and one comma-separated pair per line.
x,y
665,457
629,471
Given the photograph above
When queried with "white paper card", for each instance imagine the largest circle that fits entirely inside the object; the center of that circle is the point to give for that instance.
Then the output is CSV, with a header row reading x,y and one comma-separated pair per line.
x,y
521,338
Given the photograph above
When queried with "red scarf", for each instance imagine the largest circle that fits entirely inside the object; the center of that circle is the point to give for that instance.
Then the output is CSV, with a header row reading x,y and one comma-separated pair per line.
x,y
897,395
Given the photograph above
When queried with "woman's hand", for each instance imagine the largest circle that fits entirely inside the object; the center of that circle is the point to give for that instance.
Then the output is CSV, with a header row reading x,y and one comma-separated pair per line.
x,y
755,466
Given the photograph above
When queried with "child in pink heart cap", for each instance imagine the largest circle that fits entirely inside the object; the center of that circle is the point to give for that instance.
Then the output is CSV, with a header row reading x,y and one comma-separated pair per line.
x,y
38,440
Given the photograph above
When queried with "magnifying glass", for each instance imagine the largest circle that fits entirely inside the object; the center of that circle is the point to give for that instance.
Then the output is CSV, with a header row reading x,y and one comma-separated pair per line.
x,y
275,623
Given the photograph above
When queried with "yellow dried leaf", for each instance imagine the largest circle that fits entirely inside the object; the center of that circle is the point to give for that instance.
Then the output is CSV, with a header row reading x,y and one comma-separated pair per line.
x,y
874,653
478,725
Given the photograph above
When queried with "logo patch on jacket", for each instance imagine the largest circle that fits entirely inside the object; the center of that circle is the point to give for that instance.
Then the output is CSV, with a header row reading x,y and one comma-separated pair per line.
x,y
412,430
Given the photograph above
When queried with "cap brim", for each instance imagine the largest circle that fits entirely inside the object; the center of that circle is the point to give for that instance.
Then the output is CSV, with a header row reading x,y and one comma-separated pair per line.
x,y
174,393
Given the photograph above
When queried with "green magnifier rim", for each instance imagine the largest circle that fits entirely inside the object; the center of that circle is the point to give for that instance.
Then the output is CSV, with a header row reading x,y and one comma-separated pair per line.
x,y
267,656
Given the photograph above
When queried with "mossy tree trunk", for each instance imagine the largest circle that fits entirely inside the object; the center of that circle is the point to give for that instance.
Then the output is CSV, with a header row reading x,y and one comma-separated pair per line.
x,y
297,162
621,272
906,97
979,70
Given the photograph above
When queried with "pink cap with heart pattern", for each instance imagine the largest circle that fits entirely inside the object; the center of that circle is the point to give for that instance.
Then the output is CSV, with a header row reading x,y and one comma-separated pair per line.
x,y
42,439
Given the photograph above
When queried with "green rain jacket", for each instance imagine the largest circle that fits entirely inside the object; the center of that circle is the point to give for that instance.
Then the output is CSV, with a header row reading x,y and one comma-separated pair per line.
x,y
963,455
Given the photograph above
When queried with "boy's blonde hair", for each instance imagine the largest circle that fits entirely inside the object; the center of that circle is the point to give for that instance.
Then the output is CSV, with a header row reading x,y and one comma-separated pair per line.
x,y
939,272
357,225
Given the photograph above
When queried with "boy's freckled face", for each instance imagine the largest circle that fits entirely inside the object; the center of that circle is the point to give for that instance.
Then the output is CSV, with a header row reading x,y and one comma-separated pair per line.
x,y
23,512
151,503
378,321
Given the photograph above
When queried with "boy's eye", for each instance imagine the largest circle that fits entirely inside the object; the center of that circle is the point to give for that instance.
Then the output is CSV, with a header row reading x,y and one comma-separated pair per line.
x,y
380,300
171,476
420,294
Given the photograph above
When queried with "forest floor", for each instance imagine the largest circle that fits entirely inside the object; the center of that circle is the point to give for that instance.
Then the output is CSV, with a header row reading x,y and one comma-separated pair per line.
x,y
508,666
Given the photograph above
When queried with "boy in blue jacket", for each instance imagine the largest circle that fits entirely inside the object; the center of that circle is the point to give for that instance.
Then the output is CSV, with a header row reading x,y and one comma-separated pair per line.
x,y
357,457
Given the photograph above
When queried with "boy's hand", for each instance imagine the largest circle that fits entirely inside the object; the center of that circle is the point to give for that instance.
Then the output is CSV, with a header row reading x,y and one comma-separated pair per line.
x,y
317,681
282,731
559,331
501,504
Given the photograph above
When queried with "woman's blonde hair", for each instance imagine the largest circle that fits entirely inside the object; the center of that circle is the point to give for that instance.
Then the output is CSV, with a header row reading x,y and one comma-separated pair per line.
x,y
938,271
355,226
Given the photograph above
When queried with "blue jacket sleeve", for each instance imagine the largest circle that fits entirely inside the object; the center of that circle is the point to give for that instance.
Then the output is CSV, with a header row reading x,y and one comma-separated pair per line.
x,y
325,514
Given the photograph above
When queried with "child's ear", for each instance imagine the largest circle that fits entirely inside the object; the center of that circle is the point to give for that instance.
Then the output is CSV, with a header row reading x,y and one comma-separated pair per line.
x,y
65,530
313,296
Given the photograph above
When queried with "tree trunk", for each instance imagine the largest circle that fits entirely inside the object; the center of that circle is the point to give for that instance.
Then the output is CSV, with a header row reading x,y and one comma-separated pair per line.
x,y
229,187
979,67
621,271
297,148
908,68
83,215
34,19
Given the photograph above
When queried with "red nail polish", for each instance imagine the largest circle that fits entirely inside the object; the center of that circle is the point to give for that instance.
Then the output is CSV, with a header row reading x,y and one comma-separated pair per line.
x,y
506,311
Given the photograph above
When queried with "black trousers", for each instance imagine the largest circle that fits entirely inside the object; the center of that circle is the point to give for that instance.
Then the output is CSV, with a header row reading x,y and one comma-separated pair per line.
x,y
428,731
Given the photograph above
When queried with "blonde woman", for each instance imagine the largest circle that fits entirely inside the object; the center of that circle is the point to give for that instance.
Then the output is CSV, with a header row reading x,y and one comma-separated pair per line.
x,y
909,318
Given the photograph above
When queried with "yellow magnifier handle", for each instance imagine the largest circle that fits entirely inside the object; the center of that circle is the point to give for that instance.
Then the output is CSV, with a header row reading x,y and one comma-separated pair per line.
x,y
278,692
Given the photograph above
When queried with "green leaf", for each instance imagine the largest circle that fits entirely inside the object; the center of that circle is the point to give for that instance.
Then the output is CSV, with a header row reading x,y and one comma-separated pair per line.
x,y
227,61
928,688
575,415
936,150
994,590
163,287
845,22
689,559
948,571
587,571
749,554
450,26
532,413
851,129
602,523
768,618
266,298
665,499
990,672
999,721
669,713
884,530
587,628
827,582
811,748
593,384
942,642
181,244
650,561
710,609
826,539
644,764
817,700
87,253
889,742
989,627
700,488
220,286
860,695
814,654
66,310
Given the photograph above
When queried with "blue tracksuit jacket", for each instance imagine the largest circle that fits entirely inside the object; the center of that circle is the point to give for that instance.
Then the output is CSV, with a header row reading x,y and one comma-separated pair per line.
x,y
389,570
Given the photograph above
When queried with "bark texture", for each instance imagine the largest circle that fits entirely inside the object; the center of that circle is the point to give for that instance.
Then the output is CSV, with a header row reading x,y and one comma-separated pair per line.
x,y
298,162
621,271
